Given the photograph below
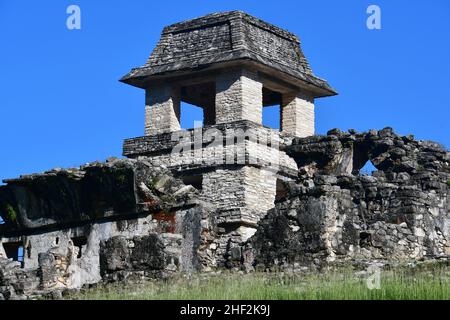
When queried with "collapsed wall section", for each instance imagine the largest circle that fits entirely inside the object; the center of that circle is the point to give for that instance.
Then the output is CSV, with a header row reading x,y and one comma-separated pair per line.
x,y
59,241
333,213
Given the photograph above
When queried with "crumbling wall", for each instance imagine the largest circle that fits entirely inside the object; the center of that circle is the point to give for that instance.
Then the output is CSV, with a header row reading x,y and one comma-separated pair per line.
x,y
61,233
141,257
333,213
131,219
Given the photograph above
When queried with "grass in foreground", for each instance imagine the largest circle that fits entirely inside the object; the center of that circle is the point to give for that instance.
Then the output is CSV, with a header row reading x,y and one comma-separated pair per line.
x,y
344,285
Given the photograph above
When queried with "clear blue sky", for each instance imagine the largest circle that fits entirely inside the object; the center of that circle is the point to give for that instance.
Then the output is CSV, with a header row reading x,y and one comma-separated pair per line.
x,y
61,103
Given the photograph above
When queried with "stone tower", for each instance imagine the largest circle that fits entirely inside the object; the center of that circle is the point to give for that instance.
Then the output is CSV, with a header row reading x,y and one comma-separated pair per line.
x,y
231,65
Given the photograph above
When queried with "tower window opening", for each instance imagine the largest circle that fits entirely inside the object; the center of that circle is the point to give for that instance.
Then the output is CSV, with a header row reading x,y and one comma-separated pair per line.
x,y
271,113
191,116
198,105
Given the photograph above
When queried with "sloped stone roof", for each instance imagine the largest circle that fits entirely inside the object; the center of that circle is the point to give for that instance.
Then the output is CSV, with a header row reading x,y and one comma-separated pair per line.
x,y
225,37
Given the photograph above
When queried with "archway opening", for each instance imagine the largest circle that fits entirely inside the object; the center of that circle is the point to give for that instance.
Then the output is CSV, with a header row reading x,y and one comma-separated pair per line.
x,y
367,169
80,244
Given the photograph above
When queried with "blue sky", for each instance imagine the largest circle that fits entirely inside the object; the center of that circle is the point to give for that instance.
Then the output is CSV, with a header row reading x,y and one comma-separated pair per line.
x,y
61,104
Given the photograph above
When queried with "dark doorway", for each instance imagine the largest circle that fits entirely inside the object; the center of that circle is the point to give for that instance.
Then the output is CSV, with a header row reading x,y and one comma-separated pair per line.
x,y
14,251
80,243
281,191
196,181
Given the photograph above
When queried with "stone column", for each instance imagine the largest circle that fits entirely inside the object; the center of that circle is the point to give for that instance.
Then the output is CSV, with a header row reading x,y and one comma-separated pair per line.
x,y
162,110
238,96
242,194
297,114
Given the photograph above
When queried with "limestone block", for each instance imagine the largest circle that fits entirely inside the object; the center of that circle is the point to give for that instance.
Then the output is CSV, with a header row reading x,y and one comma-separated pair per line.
x,y
297,115
162,110
238,96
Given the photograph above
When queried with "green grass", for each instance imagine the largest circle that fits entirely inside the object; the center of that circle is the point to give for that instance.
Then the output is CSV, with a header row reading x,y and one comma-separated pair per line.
x,y
345,285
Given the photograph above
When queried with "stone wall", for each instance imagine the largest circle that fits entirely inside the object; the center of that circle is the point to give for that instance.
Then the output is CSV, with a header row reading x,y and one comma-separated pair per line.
x,y
140,257
240,142
241,194
62,236
130,219
239,163
399,213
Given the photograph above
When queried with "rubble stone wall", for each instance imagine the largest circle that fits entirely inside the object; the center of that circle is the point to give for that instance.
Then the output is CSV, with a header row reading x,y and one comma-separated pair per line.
x,y
400,212
130,219
61,238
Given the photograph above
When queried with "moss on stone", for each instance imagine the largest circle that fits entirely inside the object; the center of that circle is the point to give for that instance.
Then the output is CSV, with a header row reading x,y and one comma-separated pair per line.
x,y
11,214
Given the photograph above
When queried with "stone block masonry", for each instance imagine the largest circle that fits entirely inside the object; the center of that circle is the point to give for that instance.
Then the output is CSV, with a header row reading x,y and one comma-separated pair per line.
x,y
238,96
247,191
233,194
63,219
162,110
229,64
297,115
333,213
238,171
239,142
220,40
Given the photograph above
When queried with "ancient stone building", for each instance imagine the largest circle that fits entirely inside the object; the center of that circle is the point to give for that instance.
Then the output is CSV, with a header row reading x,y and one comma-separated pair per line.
x,y
233,193
231,65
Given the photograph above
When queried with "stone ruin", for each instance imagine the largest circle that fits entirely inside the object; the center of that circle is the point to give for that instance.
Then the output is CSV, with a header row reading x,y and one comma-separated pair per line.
x,y
232,194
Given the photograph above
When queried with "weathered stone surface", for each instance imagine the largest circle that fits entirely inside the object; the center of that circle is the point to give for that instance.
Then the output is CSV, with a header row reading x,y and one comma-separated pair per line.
x,y
162,110
90,193
331,215
238,96
252,197
297,115
146,256
223,38
327,215
62,251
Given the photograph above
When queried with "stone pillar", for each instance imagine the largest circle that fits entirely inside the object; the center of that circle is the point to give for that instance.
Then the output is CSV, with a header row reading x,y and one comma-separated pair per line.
x,y
242,195
162,110
238,96
297,115
260,189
